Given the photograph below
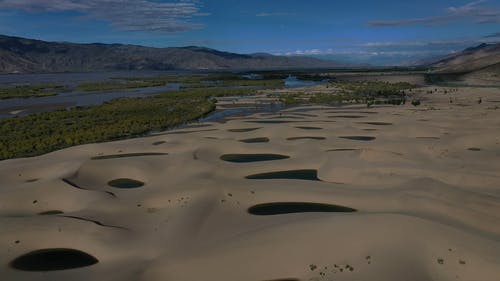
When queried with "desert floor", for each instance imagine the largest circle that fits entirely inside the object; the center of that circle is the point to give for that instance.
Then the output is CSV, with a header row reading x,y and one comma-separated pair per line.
x,y
386,193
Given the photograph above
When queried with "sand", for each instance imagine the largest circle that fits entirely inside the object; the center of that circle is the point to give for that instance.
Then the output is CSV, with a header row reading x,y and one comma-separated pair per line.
x,y
425,189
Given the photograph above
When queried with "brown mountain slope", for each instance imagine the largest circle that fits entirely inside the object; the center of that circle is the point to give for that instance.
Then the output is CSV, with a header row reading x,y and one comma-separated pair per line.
x,y
470,60
20,55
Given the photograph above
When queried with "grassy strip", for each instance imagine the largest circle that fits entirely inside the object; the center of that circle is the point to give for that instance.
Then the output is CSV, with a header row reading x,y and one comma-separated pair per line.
x,y
215,80
29,91
106,86
194,78
270,83
185,79
199,86
118,119
372,88
369,92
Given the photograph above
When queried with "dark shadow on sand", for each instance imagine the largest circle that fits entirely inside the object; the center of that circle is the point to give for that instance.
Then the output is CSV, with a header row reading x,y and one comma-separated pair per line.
x,y
306,174
53,259
280,208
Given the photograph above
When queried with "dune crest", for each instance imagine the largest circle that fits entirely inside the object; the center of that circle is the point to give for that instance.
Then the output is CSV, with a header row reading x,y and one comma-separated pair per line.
x,y
412,200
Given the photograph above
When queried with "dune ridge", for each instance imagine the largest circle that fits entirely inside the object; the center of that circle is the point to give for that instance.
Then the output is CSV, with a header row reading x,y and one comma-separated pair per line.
x,y
413,203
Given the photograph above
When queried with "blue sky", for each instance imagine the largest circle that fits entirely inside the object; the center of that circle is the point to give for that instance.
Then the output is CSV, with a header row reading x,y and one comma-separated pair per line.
x,y
363,31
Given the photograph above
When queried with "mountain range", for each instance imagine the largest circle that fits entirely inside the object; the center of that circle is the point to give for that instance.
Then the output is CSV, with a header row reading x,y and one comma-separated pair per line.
x,y
20,55
480,58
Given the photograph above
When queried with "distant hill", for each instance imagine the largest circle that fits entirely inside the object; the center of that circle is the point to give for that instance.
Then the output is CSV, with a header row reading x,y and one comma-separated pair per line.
x,y
473,59
20,55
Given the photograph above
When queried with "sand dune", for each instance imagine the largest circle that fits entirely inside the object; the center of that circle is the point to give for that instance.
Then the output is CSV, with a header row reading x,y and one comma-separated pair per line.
x,y
395,193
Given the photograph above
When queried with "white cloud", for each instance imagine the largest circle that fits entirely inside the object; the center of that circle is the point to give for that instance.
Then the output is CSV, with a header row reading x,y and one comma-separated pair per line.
x,y
131,15
367,52
493,38
476,11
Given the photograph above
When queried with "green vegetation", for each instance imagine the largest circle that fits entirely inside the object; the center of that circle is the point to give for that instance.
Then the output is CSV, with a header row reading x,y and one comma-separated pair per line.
x,y
312,77
190,82
118,119
455,80
193,78
212,80
373,88
268,83
369,92
106,86
30,91
271,83
198,86
442,78
130,117
185,79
